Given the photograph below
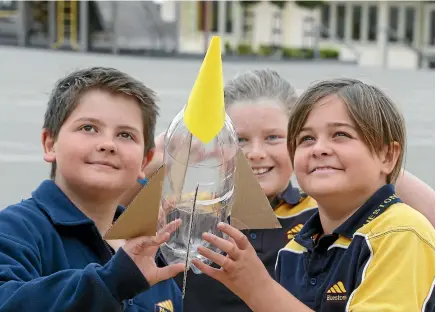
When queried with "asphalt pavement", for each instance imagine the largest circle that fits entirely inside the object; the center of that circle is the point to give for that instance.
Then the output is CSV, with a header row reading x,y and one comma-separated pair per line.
x,y
27,77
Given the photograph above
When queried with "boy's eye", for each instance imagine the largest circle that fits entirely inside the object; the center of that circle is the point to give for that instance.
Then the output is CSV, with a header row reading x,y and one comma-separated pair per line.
x,y
242,140
342,134
126,135
272,137
305,138
88,128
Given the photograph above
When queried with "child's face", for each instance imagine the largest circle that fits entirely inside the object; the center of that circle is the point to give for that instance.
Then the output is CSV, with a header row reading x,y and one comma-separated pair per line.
x,y
331,158
262,131
101,144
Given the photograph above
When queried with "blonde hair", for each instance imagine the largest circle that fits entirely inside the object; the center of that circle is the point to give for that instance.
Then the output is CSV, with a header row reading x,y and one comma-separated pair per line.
x,y
378,120
255,85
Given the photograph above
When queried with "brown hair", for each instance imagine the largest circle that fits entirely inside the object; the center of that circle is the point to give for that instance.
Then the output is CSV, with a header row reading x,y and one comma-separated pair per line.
x,y
69,90
377,118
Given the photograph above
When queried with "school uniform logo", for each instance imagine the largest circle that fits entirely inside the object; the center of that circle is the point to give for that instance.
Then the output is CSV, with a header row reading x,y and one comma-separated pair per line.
x,y
337,292
294,231
164,306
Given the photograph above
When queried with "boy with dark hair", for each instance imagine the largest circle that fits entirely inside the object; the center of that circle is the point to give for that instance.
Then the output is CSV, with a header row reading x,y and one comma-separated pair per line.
x,y
98,135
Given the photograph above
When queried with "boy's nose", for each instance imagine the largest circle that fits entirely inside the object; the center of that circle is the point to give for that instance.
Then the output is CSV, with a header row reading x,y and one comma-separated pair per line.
x,y
107,146
256,152
321,148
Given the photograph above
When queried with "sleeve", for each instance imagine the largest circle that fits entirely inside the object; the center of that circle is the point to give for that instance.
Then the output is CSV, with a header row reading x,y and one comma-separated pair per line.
x,y
398,275
94,288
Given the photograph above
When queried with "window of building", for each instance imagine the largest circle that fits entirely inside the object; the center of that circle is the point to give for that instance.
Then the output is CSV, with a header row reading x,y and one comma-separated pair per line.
x,y
410,24
325,21
356,22
247,24
393,24
340,21
277,28
372,23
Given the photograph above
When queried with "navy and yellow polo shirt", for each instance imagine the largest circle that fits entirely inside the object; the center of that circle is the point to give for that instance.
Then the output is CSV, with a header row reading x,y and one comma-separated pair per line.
x,y
293,208
381,259
203,293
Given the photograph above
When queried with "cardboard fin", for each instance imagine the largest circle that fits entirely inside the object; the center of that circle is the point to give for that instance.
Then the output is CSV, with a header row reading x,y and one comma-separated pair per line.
x,y
141,216
251,208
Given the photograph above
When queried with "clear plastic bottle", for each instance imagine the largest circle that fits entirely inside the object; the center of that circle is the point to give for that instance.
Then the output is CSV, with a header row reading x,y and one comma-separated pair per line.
x,y
190,164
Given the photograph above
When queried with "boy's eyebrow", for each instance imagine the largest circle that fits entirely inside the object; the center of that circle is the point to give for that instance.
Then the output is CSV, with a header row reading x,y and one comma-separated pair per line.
x,y
99,122
274,130
331,125
341,124
89,119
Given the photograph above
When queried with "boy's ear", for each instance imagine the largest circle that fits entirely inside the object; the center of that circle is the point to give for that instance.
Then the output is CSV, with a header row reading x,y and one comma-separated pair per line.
x,y
389,157
147,158
48,143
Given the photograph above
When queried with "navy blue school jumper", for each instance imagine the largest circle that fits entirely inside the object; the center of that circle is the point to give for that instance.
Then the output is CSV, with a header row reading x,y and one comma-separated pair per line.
x,y
52,258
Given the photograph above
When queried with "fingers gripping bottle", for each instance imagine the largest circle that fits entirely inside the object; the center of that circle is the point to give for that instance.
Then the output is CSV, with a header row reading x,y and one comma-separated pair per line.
x,y
200,159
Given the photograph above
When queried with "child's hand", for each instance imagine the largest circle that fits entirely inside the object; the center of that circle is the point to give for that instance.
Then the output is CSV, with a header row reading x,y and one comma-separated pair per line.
x,y
241,270
142,251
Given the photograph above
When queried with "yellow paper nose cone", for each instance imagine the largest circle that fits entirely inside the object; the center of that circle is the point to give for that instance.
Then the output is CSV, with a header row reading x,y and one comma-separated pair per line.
x,y
204,114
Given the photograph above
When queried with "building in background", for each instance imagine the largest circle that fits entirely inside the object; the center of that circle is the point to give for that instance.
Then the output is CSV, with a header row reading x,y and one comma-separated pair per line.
x,y
400,34
393,34
87,25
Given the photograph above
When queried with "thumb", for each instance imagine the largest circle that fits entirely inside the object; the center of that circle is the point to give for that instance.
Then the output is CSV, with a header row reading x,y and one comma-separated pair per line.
x,y
170,271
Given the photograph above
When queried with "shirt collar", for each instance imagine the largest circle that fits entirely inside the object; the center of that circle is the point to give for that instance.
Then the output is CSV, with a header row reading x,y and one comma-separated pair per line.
x,y
50,198
370,210
290,195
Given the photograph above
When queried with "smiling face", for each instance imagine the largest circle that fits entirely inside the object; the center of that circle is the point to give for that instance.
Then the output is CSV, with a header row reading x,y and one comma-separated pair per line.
x,y
331,157
261,130
101,144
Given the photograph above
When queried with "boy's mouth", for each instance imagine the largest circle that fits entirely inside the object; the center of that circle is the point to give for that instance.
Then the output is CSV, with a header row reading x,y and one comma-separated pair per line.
x,y
104,163
260,171
324,169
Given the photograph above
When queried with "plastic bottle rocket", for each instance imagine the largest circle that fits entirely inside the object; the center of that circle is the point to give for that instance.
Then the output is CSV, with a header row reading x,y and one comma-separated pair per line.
x,y
200,158
205,178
